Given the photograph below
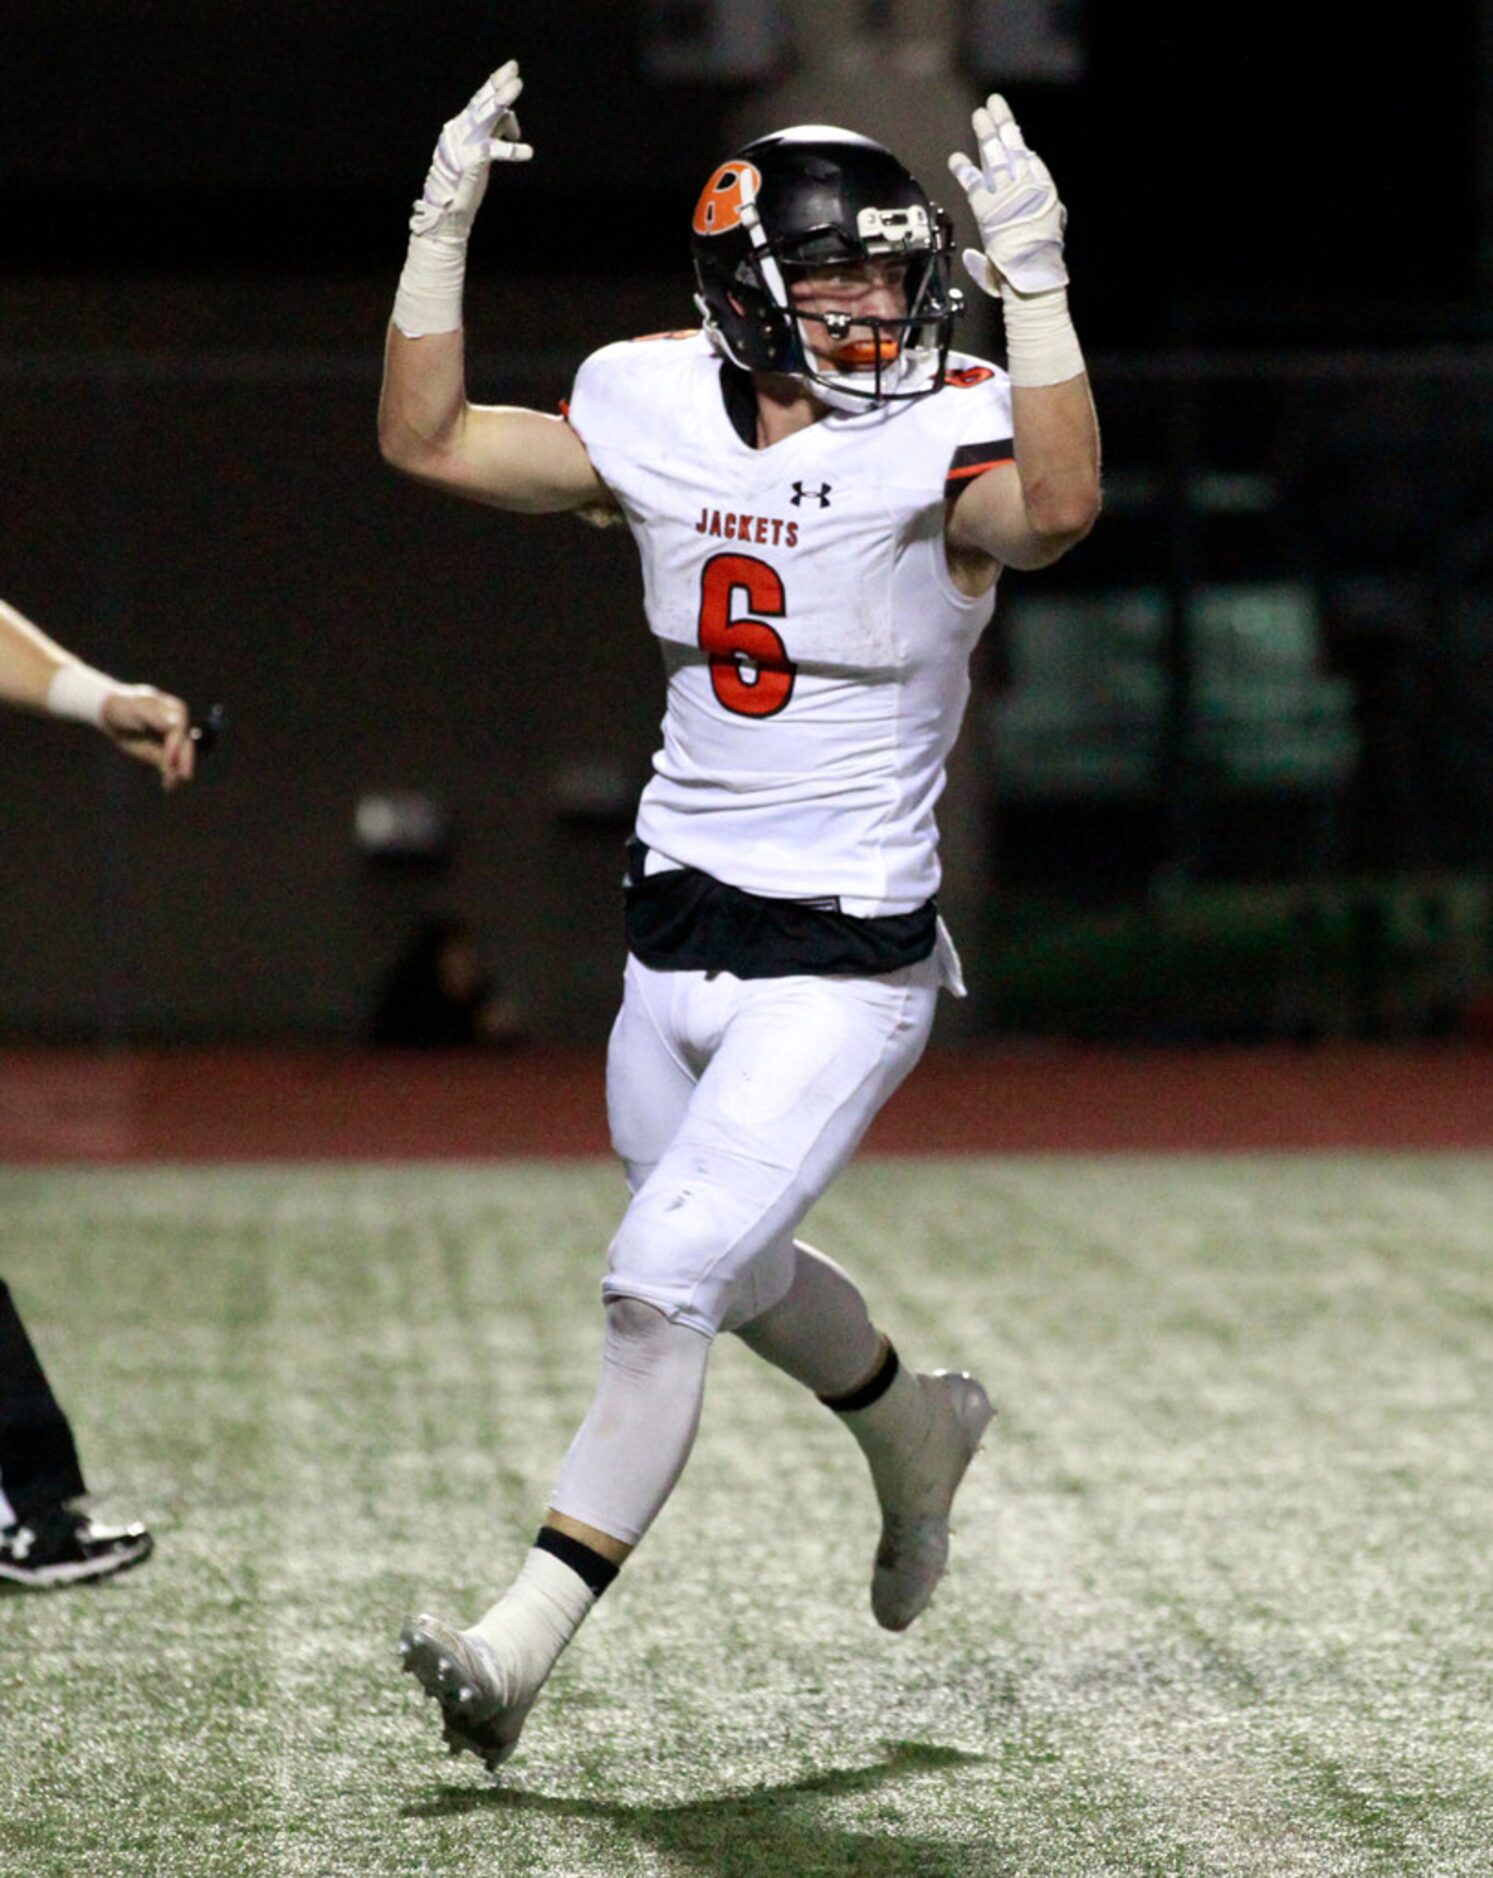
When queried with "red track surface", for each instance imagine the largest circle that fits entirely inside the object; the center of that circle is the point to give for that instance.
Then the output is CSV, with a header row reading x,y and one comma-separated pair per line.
x,y
249,1105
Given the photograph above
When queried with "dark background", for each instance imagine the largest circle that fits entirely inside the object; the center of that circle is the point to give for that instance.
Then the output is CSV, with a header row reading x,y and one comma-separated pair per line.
x,y
1223,164
203,212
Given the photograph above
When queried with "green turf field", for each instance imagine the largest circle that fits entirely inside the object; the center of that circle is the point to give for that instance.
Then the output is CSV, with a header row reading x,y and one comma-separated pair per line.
x,y
1221,1594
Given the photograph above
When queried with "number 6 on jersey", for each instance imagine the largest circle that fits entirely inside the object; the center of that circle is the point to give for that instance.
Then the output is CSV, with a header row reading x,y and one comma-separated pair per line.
x,y
750,669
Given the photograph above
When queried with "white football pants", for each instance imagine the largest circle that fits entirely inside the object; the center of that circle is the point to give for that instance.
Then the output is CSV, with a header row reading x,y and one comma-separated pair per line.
x,y
733,1104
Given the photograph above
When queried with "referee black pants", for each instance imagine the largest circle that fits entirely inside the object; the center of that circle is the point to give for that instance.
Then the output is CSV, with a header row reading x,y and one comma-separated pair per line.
x,y
39,1468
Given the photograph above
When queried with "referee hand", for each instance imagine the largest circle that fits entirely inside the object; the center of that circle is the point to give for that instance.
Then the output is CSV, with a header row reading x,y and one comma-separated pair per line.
x,y
153,727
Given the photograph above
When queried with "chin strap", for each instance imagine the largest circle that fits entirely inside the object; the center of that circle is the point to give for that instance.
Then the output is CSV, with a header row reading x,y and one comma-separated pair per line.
x,y
849,392
843,392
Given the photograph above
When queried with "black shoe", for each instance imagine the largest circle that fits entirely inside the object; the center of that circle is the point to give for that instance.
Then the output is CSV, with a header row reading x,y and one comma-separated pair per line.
x,y
68,1549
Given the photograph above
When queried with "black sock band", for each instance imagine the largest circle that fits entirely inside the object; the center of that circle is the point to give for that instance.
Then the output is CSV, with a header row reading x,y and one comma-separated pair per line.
x,y
869,1392
587,1563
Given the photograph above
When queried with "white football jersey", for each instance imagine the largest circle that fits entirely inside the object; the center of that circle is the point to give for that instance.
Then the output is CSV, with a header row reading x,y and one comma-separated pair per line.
x,y
816,647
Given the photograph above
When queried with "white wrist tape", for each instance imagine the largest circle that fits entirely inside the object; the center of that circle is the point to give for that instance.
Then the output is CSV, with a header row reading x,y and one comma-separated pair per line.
x,y
79,691
1041,345
429,296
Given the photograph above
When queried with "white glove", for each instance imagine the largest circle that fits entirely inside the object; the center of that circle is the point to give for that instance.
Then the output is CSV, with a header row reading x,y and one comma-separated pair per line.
x,y
1015,202
485,132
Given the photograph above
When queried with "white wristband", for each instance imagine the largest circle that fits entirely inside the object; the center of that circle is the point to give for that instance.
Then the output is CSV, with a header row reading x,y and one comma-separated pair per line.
x,y
429,296
1041,345
79,691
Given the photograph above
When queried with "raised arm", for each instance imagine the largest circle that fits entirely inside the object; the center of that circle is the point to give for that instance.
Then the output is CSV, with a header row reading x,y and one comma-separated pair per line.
x,y
427,427
1028,515
38,675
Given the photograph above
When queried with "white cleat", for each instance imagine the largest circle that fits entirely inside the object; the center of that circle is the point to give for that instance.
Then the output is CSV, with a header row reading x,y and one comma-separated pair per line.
x,y
481,1713
914,1548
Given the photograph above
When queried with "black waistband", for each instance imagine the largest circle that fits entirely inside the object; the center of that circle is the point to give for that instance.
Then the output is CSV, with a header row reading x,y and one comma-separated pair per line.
x,y
684,921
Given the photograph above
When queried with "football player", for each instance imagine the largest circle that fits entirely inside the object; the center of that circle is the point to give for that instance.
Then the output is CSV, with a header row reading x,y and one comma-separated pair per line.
x,y
47,1539
823,493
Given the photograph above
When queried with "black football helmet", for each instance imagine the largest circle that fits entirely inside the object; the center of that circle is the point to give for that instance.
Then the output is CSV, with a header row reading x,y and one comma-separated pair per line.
x,y
805,198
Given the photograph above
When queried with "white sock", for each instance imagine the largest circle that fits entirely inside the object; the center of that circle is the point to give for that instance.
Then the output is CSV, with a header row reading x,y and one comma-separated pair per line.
x,y
534,1620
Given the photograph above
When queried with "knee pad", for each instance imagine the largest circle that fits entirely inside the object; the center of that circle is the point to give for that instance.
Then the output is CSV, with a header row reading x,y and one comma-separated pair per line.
x,y
693,1249
671,1234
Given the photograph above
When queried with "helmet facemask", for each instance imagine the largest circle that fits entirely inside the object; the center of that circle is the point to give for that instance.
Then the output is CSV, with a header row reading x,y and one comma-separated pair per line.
x,y
877,358
744,270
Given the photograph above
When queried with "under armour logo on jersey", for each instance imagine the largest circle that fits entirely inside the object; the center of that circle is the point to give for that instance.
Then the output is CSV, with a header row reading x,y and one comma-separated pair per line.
x,y
820,495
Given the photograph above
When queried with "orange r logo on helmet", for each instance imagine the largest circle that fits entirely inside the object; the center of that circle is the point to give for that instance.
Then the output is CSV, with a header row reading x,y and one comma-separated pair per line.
x,y
724,197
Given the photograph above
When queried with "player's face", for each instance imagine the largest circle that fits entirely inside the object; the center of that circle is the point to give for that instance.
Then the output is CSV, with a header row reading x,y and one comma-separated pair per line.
x,y
853,290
